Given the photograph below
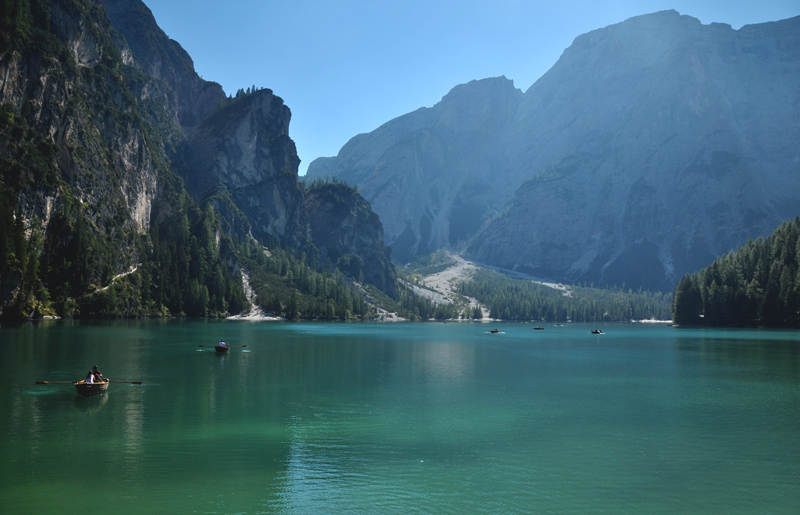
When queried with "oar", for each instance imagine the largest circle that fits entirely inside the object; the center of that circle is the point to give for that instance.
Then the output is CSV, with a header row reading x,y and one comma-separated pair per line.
x,y
231,346
73,382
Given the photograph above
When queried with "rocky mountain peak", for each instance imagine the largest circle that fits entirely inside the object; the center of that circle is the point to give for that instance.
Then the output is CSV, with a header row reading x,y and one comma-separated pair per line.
x,y
650,147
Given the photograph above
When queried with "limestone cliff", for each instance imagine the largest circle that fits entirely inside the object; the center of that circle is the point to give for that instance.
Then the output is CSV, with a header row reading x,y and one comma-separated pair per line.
x,y
651,147
71,128
145,47
245,147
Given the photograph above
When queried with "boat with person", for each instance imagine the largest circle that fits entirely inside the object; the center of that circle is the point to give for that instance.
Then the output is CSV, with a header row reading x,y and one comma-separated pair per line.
x,y
90,389
223,347
597,331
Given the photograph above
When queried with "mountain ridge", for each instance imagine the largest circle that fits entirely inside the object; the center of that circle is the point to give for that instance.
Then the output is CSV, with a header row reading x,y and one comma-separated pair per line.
x,y
650,147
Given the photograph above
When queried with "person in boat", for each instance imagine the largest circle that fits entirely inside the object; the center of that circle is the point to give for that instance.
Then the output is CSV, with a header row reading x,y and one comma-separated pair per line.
x,y
223,344
98,377
89,378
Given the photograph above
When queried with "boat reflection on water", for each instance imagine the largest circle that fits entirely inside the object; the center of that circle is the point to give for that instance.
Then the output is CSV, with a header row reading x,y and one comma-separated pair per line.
x,y
90,404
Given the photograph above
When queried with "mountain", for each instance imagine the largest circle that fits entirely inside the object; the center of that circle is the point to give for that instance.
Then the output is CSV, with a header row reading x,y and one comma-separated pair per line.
x,y
434,175
130,186
651,147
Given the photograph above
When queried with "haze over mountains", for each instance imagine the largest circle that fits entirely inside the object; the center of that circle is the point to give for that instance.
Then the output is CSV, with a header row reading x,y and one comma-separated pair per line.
x,y
651,147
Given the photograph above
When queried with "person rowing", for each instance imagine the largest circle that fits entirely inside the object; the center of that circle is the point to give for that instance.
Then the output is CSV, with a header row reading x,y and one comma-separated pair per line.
x,y
98,377
223,344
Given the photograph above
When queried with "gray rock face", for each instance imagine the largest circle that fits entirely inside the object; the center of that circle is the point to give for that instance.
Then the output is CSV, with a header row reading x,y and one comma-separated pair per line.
x,y
434,176
103,157
651,147
152,52
240,145
245,148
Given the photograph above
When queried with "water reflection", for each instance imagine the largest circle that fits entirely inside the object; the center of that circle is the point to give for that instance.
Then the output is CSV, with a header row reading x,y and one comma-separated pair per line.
x,y
450,362
133,429
91,404
396,419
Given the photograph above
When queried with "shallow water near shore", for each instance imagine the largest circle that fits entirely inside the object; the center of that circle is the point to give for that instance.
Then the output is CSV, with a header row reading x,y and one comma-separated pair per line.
x,y
399,418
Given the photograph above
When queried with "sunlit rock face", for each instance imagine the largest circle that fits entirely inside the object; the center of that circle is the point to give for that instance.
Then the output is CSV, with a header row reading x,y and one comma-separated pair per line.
x,y
104,121
235,153
651,147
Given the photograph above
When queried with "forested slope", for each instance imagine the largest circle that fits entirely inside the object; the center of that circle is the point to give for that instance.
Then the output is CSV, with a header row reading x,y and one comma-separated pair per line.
x,y
128,186
757,285
517,299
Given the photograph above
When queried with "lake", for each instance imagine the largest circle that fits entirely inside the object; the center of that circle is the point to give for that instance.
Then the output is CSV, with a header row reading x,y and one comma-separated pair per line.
x,y
399,418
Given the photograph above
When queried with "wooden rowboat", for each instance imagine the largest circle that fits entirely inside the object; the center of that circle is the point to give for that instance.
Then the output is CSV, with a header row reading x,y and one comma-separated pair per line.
x,y
89,389
222,348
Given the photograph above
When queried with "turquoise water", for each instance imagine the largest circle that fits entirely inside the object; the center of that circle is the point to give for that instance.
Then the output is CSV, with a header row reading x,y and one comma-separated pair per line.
x,y
400,418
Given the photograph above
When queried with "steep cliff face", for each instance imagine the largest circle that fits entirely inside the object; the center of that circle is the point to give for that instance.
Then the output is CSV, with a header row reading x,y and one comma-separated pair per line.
x,y
97,123
245,147
434,176
350,235
649,148
190,98
71,105
238,148
78,171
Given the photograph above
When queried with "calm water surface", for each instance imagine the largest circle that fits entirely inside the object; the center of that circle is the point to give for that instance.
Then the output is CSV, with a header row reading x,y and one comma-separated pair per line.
x,y
399,418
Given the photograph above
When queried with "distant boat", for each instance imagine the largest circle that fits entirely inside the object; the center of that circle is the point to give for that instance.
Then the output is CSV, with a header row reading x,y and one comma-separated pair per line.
x,y
539,328
597,331
89,389
223,348
494,331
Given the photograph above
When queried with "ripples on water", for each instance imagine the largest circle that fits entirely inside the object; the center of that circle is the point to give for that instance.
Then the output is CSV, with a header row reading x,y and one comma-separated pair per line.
x,y
398,418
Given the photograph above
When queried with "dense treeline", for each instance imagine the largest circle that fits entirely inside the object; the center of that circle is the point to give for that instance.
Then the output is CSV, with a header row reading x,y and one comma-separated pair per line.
x,y
287,285
518,299
187,268
758,285
181,271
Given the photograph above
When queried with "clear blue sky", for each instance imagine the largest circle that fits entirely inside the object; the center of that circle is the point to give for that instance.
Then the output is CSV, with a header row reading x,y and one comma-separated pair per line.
x,y
345,67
